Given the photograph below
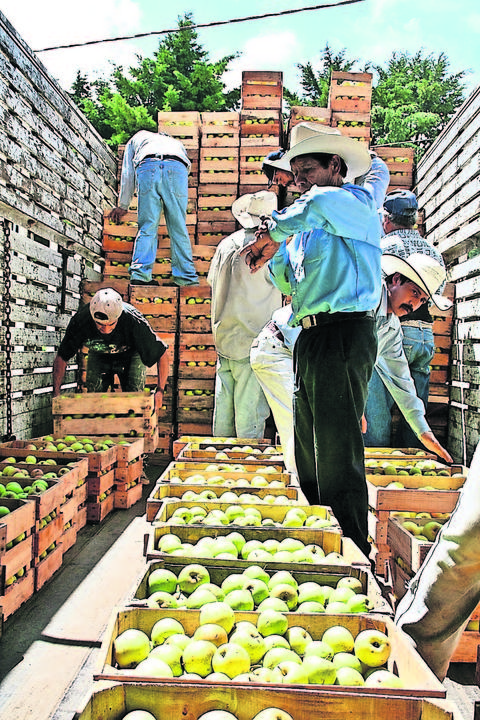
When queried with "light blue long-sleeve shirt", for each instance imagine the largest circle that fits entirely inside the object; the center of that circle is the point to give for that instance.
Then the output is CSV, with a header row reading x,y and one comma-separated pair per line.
x,y
332,264
392,367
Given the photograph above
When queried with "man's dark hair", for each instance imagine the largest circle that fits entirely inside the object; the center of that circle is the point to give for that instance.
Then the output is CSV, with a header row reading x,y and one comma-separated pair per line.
x,y
403,221
324,160
403,279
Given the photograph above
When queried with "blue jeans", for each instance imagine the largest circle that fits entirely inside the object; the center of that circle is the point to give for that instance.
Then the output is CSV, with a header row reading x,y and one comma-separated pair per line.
x,y
240,404
162,185
418,346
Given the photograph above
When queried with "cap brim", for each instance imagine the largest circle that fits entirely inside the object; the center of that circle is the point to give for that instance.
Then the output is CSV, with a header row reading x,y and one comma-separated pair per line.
x,y
353,152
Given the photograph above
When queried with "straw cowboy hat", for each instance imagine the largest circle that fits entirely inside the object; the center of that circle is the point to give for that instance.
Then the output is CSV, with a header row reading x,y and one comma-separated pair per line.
x,y
249,209
421,269
311,137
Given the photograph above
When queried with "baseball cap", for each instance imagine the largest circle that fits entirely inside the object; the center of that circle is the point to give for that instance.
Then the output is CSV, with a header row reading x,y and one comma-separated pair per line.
x,y
423,270
275,160
106,306
401,202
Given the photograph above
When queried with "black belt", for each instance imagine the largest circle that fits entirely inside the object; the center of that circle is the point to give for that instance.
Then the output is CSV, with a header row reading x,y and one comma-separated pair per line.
x,y
166,157
310,321
275,330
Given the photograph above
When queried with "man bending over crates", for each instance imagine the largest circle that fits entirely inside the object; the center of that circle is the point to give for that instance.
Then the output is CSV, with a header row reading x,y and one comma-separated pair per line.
x,y
119,341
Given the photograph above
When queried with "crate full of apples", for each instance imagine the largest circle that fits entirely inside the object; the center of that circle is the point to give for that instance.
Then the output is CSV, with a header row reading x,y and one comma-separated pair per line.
x,y
224,474
181,441
164,492
217,646
410,536
178,586
226,453
277,548
141,701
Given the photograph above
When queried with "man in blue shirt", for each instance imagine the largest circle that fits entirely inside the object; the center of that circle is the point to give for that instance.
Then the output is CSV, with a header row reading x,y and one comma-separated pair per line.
x,y
325,253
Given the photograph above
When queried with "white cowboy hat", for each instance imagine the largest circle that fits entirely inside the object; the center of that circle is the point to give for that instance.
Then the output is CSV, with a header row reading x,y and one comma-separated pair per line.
x,y
421,269
249,209
311,137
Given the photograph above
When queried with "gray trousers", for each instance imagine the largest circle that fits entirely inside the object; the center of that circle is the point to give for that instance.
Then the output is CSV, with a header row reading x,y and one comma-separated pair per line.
x,y
446,589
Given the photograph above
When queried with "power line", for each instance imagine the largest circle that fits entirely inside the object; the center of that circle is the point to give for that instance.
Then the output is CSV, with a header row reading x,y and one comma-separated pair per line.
x,y
200,25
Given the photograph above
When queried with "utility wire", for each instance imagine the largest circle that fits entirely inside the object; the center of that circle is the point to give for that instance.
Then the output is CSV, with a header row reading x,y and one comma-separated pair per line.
x,y
200,25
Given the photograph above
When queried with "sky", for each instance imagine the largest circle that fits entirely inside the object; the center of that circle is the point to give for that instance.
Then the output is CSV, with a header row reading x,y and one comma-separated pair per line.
x,y
369,31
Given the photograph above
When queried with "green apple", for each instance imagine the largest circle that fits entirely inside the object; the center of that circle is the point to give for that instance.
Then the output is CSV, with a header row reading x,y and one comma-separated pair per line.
x,y
359,603
287,593
171,655
320,671
130,648
192,576
168,542
160,599
256,572
273,603
272,713
218,714
212,632
339,638
372,647
293,673
219,613
430,529
291,544
348,676
199,598
313,591
347,659
383,678
342,594
298,639
163,580
180,640
252,641
163,628
282,577
351,582
257,588
272,622
276,655
231,659
249,546
240,600
276,641
197,657
153,667
235,581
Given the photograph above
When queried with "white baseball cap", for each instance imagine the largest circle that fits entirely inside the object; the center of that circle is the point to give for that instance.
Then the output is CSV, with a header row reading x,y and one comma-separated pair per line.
x,y
106,306
250,208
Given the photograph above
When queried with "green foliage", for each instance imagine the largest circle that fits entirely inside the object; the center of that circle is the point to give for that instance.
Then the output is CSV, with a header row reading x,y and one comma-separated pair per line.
x,y
179,77
414,99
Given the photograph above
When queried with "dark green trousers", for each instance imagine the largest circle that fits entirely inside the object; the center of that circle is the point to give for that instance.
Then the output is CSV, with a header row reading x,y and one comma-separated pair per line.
x,y
333,364
101,369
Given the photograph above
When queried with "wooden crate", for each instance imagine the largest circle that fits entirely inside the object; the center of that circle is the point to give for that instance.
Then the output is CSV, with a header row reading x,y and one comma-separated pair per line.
x,y
21,519
397,453
251,162
159,308
47,567
98,511
212,232
125,498
218,574
195,397
400,162
197,358
202,256
90,287
413,497
262,90
306,113
195,309
220,129
69,536
350,92
215,202
246,453
181,472
354,125
219,165
260,126
46,536
129,414
403,544
184,126
18,593
191,700
97,460
164,491
419,680
100,482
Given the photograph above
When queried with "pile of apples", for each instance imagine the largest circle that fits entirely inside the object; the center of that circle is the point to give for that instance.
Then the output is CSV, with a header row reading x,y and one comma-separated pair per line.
x,y
424,526
258,480
71,443
265,650
234,546
421,467
254,589
228,496
245,516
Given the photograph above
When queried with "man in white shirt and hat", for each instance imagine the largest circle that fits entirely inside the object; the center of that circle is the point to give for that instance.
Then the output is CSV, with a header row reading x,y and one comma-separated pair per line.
x,y
241,305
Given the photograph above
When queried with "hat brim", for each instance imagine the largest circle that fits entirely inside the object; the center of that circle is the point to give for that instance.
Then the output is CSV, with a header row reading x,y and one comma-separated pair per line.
x,y
392,264
281,164
353,152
